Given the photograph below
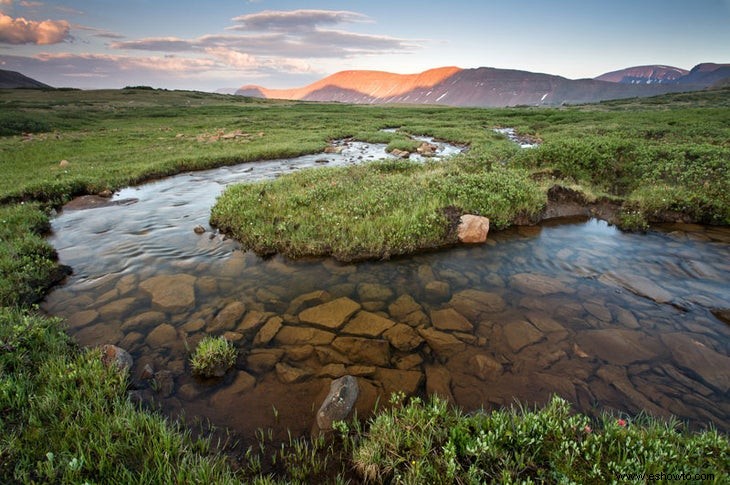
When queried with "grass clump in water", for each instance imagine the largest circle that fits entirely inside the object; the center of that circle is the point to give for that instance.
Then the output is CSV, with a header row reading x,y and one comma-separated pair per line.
x,y
213,357
376,210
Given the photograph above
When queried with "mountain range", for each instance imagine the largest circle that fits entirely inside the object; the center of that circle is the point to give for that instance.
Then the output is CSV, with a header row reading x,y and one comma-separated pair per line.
x,y
13,80
491,87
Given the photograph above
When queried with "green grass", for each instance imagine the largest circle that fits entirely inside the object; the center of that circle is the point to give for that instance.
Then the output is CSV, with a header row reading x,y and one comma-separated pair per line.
x,y
213,357
65,418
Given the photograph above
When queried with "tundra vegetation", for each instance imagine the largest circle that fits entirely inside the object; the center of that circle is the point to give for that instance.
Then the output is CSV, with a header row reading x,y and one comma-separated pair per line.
x,y
66,418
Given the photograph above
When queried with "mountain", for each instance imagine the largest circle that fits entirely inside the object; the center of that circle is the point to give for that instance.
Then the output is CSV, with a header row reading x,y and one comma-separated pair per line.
x,y
707,73
480,87
12,80
644,75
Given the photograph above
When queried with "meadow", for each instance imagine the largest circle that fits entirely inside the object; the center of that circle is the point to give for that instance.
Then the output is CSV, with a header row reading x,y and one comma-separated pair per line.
x,y
64,418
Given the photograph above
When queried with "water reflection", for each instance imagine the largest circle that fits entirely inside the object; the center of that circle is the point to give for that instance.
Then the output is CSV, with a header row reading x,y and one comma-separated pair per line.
x,y
605,319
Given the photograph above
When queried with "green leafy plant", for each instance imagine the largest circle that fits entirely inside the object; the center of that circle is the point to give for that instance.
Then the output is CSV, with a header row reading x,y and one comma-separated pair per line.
x,y
213,357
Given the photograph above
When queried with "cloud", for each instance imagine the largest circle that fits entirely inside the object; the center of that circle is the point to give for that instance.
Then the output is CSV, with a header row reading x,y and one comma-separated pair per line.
x,y
22,31
233,58
6,2
101,33
157,44
292,20
27,4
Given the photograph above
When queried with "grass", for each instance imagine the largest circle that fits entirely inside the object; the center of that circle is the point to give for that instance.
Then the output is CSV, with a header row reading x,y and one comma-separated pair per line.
x,y
213,357
65,418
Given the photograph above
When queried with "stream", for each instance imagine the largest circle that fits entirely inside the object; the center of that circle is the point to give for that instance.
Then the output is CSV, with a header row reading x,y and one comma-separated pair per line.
x,y
606,319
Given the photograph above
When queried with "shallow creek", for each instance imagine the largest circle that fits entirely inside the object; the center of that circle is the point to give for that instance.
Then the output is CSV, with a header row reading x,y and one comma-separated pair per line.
x,y
606,319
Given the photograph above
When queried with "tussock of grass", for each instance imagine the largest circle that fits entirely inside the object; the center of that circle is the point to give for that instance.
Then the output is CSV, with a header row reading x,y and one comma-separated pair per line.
x,y
380,209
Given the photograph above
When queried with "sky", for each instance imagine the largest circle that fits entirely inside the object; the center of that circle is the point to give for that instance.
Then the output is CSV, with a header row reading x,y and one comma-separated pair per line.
x,y
189,44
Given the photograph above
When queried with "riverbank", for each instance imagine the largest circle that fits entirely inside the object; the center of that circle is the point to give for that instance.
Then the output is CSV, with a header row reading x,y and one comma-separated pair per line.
x,y
40,397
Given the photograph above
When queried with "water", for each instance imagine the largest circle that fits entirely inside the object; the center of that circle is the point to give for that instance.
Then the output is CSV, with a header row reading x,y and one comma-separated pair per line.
x,y
606,319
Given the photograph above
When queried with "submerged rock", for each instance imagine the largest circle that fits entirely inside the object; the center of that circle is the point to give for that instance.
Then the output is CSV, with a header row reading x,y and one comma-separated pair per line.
x,y
339,402
331,315
172,293
116,356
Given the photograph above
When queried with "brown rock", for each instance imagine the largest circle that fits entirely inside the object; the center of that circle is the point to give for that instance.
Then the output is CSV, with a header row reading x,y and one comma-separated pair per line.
x,y
403,337
402,306
328,355
437,290
64,164
545,323
444,344
83,318
367,324
98,334
228,317
398,153
163,335
263,360
693,355
393,380
537,284
520,334
332,370
331,315
472,229
438,382
268,331
450,319
171,293
289,375
639,285
416,319
206,285
143,320
299,352
242,383
473,304
599,311
252,321
117,308
373,291
410,361
485,367
361,370
131,340
363,350
289,335
116,356
318,297
618,346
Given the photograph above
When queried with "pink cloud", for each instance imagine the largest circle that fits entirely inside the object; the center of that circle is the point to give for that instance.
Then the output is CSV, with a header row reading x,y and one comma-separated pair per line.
x,y
22,31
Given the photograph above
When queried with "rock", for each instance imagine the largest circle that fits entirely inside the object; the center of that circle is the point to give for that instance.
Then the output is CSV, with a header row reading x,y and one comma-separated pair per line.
x,y
416,319
131,340
450,319
206,285
339,402
232,336
289,335
427,149
64,164
425,274
393,380
331,315
367,324
639,285
520,334
402,306
472,229
268,331
618,346
171,293
231,394
438,382
263,360
117,309
194,326
361,370
299,352
116,356
537,284
163,335
544,323
410,361
444,344
373,291
332,371
143,320
473,304
321,160
199,229
485,367
83,318
599,311
688,353
319,297
625,317
437,290
99,333
363,350
289,375
722,314
228,317
403,337
328,355
188,392
252,321
106,193
397,153
164,383
147,372
334,149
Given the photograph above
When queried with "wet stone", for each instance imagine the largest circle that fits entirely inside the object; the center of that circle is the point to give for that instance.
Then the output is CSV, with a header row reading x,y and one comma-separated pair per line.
x,y
450,319
263,360
131,340
164,383
143,320
394,380
416,319
403,337
402,306
98,333
437,290
206,285
361,370
691,354
637,284
268,331
83,318
339,402
116,356
618,346
228,317
163,335
444,344
474,304
194,326
410,361
242,383
289,374
367,324
308,299
373,291
117,308
252,321
363,350
331,315
328,355
173,293
290,335
485,367
298,353
232,336
438,382
332,370
537,284
520,334
544,322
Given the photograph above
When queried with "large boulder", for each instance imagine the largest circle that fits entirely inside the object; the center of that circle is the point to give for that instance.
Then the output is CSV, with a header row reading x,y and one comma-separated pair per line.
x,y
472,229
339,402
171,293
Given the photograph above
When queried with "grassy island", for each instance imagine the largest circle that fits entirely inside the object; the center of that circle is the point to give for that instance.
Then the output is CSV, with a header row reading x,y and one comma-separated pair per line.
x,y
65,418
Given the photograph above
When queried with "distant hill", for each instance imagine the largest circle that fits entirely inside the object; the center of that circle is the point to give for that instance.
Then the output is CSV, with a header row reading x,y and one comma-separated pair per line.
x,y
12,80
485,87
644,75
